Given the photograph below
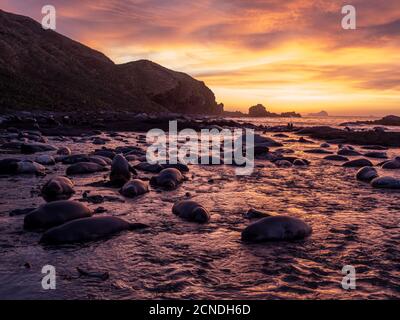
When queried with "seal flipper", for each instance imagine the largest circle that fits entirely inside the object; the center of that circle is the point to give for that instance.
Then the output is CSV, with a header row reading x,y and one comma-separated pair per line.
x,y
137,226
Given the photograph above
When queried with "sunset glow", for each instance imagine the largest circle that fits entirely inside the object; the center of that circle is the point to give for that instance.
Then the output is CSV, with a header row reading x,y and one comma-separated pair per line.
x,y
288,55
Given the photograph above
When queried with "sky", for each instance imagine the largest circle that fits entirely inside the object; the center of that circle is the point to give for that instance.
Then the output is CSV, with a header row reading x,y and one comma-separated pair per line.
x,y
290,55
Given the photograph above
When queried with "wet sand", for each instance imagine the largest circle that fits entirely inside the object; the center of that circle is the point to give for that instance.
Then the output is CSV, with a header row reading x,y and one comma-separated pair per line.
x,y
352,223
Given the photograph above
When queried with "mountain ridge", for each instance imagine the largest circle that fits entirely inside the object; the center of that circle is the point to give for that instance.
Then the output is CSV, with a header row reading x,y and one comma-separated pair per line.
x,y
44,70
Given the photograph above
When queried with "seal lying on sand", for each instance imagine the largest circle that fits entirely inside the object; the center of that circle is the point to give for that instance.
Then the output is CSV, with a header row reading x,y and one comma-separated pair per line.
x,y
58,188
366,174
85,167
276,228
134,188
30,167
191,211
386,183
88,229
55,213
120,173
168,179
358,163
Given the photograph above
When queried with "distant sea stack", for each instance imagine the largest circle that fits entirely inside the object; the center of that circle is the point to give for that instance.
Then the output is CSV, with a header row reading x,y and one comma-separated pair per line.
x,y
319,114
43,70
260,111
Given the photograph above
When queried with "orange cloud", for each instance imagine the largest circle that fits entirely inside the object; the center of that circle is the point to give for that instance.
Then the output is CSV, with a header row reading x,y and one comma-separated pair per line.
x,y
289,55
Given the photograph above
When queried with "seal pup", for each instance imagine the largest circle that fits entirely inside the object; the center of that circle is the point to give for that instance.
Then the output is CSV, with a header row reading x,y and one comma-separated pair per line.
x,y
191,211
58,188
134,188
168,178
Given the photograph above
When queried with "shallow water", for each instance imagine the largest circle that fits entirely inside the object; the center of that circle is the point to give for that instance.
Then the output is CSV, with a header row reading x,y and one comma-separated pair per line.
x,y
333,121
352,223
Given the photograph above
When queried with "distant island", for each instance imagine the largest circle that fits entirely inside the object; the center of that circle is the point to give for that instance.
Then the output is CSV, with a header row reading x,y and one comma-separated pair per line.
x,y
259,111
319,114
390,120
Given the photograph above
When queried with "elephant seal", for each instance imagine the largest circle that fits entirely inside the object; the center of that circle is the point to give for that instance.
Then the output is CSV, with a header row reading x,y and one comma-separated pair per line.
x,y
147,167
9,166
87,229
366,174
318,151
300,162
376,154
64,151
358,163
276,228
180,166
392,164
134,188
54,214
336,157
386,183
168,179
58,188
29,148
30,167
346,151
191,211
120,173
283,163
45,160
84,167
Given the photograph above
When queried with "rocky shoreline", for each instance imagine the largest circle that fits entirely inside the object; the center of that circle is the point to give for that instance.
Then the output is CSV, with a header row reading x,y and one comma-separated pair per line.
x,y
77,123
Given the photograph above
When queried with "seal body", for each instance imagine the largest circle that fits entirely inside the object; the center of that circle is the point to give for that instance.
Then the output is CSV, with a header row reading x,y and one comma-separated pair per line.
x,y
358,163
276,228
386,183
366,174
191,211
134,188
54,214
87,229
120,172
30,167
84,168
168,178
58,188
